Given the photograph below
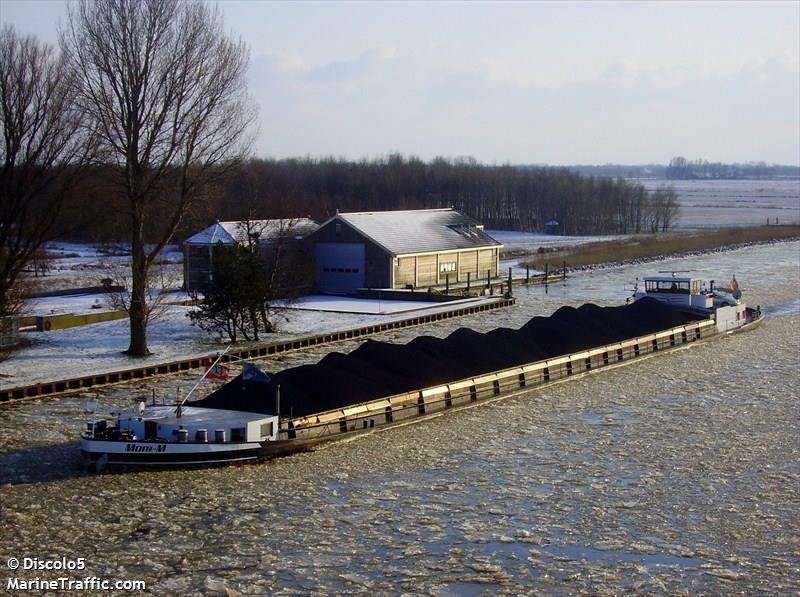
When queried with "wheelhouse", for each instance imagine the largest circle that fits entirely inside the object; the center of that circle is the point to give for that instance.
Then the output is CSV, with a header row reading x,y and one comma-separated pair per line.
x,y
676,291
673,285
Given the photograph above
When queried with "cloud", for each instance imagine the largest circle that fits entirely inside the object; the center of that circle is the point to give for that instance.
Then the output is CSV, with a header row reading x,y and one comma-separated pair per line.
x,y
431,104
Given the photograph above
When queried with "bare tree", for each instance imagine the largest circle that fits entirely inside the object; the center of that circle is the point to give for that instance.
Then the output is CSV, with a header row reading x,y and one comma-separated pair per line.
x,y
161,281
165,87
41,152
664,209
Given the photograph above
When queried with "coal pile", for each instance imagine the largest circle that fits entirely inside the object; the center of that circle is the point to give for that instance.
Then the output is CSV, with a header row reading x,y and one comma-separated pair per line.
x,y
379,369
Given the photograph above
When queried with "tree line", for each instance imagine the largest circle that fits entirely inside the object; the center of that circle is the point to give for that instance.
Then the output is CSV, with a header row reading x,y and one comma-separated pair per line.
x,y
680,168
501,197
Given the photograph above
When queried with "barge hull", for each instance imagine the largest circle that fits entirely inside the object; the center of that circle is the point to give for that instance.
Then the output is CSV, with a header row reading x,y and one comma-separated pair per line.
x,y
414,406
308,433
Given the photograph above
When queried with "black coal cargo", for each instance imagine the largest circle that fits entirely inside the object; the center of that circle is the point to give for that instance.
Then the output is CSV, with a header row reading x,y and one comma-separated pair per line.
x,y
380,369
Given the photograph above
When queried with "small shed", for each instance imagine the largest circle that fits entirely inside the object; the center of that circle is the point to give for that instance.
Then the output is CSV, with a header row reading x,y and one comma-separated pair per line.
x,y
552,226
401,249
260,235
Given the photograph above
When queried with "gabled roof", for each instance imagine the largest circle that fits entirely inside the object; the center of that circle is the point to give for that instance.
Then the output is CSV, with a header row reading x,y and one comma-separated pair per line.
x,y
417,231
230,233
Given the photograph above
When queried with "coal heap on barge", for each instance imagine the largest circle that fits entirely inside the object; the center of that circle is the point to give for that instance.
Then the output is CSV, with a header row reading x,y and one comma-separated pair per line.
x,y
379,369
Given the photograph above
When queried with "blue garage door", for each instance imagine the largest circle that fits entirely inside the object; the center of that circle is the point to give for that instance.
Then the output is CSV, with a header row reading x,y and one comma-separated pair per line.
x,y
339,267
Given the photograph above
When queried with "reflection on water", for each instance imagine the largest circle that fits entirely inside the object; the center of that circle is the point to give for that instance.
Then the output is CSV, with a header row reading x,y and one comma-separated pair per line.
x,y
674,474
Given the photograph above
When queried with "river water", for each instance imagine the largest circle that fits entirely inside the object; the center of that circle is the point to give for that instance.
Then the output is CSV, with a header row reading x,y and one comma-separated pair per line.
x,y
676,474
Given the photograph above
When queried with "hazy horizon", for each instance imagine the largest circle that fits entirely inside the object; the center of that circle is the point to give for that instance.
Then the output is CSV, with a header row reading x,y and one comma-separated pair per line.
x,y
632,83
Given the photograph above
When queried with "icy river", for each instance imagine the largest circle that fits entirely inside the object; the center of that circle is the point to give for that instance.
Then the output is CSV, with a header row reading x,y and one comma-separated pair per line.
x,y
675,475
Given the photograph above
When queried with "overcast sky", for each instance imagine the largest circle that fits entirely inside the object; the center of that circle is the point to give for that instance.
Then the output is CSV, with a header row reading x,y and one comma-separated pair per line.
x,y
538,82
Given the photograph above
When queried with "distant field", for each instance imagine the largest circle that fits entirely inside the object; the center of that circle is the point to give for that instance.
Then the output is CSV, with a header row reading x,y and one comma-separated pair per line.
x,y
660,244
709,204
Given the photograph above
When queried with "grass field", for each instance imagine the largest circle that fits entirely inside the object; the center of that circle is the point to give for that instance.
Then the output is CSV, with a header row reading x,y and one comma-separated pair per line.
x,y
658,244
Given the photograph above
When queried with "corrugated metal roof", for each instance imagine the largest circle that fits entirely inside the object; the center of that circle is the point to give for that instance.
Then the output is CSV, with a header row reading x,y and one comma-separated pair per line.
x,y
229,233
420,230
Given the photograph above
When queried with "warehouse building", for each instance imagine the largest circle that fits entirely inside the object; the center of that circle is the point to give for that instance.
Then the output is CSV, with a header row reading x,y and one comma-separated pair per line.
x,y
262,235
402,249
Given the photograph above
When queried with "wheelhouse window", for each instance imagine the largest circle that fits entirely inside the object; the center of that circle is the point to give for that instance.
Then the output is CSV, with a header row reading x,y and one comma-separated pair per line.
x,y
238,434
667,286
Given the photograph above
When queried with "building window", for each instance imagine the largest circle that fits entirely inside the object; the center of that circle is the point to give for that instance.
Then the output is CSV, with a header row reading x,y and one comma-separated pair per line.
x,y
447,268
338,228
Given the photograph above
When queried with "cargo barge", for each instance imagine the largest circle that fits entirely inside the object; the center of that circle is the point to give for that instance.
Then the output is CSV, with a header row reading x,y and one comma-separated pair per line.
x,y
257,415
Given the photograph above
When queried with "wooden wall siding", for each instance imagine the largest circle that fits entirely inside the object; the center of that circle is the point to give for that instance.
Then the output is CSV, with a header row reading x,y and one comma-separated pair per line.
x,y
487,260
467,264
405,272
446,258
427,274
425,270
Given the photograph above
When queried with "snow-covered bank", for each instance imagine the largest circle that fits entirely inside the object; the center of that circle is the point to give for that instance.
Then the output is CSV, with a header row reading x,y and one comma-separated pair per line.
x,y
73,265
679,255
98,348
530,242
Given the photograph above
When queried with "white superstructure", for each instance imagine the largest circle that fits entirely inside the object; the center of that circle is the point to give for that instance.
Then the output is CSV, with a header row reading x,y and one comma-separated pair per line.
x,y
723,304
193,424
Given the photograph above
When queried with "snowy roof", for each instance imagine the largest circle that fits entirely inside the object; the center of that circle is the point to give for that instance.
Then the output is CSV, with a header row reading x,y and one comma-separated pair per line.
x,y
230,233
420,230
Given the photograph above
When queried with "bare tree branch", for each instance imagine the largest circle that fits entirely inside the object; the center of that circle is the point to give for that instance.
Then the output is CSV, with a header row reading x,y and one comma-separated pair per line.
x,y
166,88
42,150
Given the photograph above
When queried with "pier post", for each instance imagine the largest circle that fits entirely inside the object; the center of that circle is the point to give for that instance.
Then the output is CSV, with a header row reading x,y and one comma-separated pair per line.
x,y
469,278
546,276
564,272
527,274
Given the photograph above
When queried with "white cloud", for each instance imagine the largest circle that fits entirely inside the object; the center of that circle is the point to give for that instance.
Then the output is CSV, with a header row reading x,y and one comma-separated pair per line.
x,y
381,101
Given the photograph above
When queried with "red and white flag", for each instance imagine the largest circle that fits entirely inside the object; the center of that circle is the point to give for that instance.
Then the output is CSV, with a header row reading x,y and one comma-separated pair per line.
x,y
216,371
